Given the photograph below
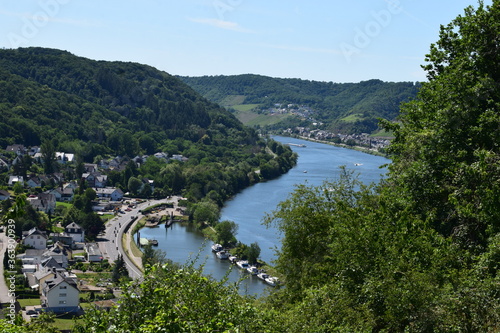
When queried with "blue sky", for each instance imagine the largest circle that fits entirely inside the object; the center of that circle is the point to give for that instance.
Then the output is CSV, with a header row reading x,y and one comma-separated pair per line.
x,y
339,41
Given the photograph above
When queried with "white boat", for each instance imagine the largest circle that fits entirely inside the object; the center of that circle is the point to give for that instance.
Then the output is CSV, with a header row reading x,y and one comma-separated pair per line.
x,y
272,281
222,254
243,264
263,276
217,248
252,270
233,259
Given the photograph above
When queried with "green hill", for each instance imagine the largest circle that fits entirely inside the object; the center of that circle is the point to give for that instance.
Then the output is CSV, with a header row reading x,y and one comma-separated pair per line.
x,y
46,93
344,107
98,109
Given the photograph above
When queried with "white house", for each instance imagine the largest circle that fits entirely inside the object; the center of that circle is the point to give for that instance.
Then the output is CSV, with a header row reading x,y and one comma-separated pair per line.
x,y
111,193
36,239
15,179
95,179
18,149
93,252
64,158
34,182
60,294
44,202
58,253
76,232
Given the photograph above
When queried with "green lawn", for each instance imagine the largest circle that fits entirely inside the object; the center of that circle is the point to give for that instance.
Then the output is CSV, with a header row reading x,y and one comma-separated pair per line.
x,y
64,204
29,302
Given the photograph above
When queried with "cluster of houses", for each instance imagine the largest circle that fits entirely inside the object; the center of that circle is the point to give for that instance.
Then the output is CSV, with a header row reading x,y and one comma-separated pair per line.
x,y
302,111
94,176
45,263
108,197
362,139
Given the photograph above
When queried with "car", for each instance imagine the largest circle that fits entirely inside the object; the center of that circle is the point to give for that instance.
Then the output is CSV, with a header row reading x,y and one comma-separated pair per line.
x,y
34,315
31,312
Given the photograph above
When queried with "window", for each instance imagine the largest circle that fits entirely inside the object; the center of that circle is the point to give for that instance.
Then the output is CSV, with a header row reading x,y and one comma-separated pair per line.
x,y
62,302
62,295
62,287
37,237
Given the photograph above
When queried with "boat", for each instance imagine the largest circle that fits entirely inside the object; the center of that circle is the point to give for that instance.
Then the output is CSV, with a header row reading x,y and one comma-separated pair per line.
x,y
305,171
252,270
358,164
153,242
243,264
272,281
222,255
263,276
233,259
217,248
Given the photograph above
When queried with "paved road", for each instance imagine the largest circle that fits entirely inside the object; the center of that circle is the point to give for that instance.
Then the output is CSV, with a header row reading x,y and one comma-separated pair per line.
x,y
111,244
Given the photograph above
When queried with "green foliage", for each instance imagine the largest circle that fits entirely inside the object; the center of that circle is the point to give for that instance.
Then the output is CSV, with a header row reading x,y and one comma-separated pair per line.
x,y
134,185
169,299
226,232
446,148
206,211
119,270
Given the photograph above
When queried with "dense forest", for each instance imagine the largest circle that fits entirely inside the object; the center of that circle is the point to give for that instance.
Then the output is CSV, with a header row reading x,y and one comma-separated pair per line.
x,y
366,101
99,109
419,252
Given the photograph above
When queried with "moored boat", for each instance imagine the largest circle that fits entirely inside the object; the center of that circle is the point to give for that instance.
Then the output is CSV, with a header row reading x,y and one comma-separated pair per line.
x,y
263,276
272,281
243,264
252,270
233,259
222,255
217,248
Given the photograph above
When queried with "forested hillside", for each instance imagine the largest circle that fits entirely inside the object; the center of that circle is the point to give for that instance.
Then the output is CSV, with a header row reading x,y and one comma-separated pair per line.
x,y
99,109
74,98
343,107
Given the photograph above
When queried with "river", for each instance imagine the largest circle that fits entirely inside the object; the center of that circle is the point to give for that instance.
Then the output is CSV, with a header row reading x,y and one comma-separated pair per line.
x,y
317,162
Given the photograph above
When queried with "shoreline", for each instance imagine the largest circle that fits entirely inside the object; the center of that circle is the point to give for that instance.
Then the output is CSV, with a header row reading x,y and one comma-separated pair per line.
x,y
340,145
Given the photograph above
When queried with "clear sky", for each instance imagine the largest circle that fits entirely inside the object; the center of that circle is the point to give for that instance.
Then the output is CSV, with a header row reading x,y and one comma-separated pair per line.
x,y
324,40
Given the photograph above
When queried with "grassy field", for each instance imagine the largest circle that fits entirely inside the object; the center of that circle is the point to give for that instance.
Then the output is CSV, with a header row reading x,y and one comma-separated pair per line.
x,y
352,118
263,120
232,100
245,107
382,134
250,118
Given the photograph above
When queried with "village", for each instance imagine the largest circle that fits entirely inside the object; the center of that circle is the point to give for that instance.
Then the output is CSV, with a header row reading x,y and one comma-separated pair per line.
x,y
60,266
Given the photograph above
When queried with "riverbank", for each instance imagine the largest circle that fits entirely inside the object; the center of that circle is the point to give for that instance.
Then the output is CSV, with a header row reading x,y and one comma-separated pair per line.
x,y
340,145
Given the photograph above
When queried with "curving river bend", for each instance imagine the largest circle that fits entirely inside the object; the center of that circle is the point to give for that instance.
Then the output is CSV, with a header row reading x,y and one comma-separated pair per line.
x,y
317,162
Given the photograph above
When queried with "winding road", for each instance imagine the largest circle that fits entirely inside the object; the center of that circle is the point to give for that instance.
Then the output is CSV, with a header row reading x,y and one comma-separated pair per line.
x,y
111,245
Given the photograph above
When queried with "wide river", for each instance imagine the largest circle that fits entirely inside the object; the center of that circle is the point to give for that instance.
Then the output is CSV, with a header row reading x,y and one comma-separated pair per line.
x,y
317,162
